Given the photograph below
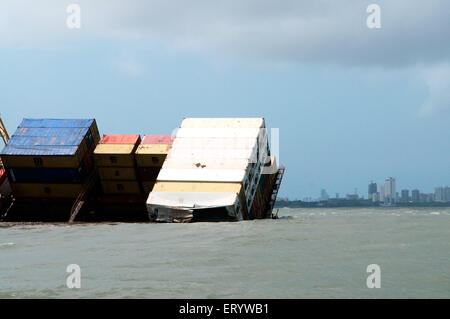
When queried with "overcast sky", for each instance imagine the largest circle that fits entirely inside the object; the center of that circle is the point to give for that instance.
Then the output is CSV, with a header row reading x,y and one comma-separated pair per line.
x,y
353,104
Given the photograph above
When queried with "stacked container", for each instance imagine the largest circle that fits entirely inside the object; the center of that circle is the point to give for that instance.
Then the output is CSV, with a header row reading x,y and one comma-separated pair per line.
x,y
114,160
264,190
5,187
214,164
150,157
50,158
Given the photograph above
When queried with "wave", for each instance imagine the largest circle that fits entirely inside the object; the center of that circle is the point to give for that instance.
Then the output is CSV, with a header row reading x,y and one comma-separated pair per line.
x,y
6,245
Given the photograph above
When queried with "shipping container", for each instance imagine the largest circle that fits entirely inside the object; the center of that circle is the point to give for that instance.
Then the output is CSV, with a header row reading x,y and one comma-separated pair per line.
x,y
121,187
5,186
114,155
182,163
191,200
218,132
47,175
95,133
120,139
148,173
92,135
151,155
122,199
45,190
201,187
117,173
2,175
223,122
220,156
47,158
64,123
157,139
34,145
202,175
201,155
147,187
214,143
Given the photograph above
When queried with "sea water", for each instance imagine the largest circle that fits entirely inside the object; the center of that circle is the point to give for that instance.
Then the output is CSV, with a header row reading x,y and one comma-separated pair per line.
x,y
306,253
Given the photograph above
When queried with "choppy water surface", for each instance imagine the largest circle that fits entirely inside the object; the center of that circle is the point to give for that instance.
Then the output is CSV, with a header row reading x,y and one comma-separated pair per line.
x,y
307,253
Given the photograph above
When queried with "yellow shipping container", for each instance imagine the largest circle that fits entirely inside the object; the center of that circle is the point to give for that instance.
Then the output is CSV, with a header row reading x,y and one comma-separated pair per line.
x,y
121,187
117,173
148,187
114,155
54,161
201,187
46,190
151,155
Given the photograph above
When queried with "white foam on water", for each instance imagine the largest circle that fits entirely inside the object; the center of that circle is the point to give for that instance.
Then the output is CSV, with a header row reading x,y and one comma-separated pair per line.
x,y
435,213
6,244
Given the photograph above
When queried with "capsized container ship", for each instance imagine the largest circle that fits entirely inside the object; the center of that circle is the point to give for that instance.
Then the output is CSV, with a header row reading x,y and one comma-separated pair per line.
x,y
216,168
211,169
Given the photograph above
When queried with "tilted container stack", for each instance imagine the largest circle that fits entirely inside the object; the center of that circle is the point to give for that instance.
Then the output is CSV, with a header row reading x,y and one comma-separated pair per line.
x,y
50,158
213,168
264,190
114,160
5,187
150,157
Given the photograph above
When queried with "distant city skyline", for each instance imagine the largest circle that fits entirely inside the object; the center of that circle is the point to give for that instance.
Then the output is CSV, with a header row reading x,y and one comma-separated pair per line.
x,y
386,192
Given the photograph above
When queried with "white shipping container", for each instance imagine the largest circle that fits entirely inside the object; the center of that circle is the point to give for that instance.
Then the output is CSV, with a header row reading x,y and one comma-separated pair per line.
x,y
165,206
219,132
212,143
200,155
191,200
195,175
223,122
230,150
206,164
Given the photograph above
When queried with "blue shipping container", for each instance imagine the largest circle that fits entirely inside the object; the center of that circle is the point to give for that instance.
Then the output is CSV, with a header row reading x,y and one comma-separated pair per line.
x,y
17,140
39,150
63,123
47,175
49,137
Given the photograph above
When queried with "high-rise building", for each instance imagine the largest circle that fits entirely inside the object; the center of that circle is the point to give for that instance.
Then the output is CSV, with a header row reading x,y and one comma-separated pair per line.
x,y
405,196
375,197
447,194
382,191
415,196
372,189
439,194
390,195
324,195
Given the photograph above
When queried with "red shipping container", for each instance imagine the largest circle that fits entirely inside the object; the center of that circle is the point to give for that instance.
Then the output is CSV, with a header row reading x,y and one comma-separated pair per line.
x,y
120,139
2,175
157,139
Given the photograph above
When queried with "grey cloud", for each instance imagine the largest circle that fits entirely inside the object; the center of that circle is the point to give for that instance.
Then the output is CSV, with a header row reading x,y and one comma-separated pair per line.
x,y
413,31
437,79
